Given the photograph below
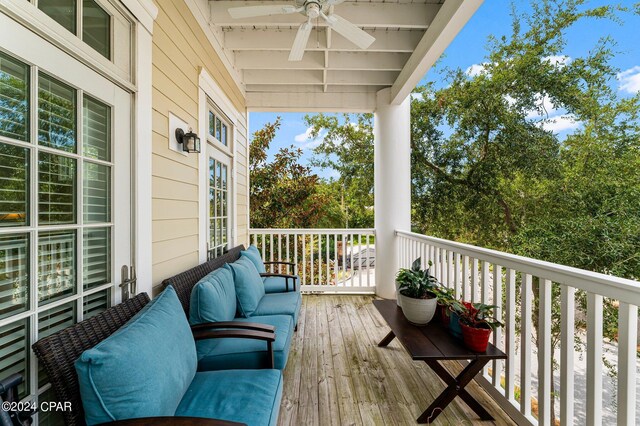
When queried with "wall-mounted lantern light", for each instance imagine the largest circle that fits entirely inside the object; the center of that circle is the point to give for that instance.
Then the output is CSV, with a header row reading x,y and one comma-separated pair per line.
x,y
190,141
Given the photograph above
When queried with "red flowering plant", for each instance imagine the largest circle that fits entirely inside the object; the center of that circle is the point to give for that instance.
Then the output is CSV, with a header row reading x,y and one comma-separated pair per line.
x,y
477,315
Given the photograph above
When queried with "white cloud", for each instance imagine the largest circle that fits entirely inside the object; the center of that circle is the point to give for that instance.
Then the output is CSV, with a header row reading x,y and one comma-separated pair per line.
x,y
476,69
303,137
630,80
306,141
560,123
417,96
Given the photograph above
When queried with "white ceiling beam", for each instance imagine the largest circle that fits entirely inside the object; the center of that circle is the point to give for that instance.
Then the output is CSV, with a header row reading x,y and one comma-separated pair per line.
x,y
315,60
359,78
284,77
279,39
381,15
279,88
311,102
452,17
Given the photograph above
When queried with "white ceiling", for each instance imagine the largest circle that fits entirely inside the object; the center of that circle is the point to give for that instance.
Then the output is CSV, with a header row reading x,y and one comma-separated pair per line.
x,y
334,74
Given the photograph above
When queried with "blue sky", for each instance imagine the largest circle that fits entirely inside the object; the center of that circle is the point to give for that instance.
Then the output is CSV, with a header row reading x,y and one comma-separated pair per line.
x,y
468,50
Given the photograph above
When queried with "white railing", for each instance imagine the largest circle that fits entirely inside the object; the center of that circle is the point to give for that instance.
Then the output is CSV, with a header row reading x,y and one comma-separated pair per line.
x,y
541,347
327,260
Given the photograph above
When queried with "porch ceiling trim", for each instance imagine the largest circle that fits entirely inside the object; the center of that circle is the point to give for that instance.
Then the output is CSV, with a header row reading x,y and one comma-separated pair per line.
x,y
333,75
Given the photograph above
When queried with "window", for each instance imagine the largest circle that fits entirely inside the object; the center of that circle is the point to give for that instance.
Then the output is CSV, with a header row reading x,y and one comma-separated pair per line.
x,y
55,230
218,127
86,14
218,206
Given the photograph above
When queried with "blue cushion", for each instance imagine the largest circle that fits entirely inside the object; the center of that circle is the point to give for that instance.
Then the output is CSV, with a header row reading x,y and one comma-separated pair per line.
x,y
141,370
278,284
249,286
226,354
253,255
280,304
213,298
245,396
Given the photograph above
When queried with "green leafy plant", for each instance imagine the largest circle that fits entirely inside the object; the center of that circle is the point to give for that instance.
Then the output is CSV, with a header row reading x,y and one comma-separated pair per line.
x,y
417,283
477,315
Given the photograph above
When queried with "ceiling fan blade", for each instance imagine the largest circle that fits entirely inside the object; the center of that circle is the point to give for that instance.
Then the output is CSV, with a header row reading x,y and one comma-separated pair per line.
x,y
349,31
300,43
255,11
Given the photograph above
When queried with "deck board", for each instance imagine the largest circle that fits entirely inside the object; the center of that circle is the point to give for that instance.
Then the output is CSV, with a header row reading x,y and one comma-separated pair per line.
x,y
336,374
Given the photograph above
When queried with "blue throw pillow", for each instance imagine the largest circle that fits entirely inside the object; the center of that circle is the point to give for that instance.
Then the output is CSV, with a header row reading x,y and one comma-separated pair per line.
x,y
213,298
141,370
249,285
253,255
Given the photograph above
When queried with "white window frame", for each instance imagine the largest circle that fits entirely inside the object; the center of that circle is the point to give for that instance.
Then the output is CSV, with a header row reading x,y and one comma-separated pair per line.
x,y
210,92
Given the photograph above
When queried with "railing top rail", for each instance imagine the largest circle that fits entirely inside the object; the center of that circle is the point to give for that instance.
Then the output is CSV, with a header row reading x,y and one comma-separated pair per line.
x,y
595,282
284,231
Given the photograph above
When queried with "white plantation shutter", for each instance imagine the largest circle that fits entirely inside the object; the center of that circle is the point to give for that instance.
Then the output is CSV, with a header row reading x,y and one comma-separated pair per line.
x,y
56,114
14,351
97,193
56,265
14,185
14,98
97,129
96,257
56,189
14,274
96,303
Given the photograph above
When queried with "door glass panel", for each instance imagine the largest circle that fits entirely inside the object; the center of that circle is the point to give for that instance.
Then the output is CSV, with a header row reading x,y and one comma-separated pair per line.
x,y
14,98
97,129
61,11
56,189
96,27
224,135
97,193
218,128
14,352
56,265
14,185
14,274
212,124
56,114
96,303
51,321
96,269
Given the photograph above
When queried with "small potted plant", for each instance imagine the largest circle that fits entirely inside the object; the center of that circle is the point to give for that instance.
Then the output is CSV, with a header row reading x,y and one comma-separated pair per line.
x,y
477,322
455,310
417,293
446,298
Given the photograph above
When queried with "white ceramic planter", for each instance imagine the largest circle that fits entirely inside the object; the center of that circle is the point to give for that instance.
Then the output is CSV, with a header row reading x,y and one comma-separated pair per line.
x,y
418,311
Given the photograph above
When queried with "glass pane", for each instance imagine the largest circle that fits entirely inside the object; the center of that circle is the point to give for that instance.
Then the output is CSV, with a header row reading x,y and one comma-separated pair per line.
x,y
14,185
56,189
218,174
14,352
224,203
62,11
96,257
96,27
218,128
96,303
212,233
14,274
212,124
51,321
56,114
218,203
49,417
224,135
14,98
97,193
57,265
97,129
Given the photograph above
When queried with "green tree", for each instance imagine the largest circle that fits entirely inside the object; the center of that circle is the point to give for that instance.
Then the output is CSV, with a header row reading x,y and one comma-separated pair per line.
x,y
284,193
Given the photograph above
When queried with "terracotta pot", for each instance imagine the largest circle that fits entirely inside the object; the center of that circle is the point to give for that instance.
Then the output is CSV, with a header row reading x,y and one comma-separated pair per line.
x,y
454,325
418,311
475,339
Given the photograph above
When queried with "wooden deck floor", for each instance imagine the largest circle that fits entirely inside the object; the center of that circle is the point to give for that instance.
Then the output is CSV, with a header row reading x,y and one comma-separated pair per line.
x,y
336,374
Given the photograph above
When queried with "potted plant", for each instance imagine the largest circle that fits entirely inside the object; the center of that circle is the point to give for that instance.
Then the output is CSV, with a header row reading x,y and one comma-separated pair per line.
x,y
417,293
455,310
477,322
446,298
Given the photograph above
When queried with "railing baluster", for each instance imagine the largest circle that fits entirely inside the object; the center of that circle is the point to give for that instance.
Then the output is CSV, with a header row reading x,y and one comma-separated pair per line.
x,y
525,345
271,250
368,260
627,354
484,295
545,369
567,353
288,256
594,359
304,259
465,278
443,265
497,333
328,257
264,253
319,259
359,260
311,250
510,330
456,275
279,252
295,253
450,274
475,288
335,257
344,258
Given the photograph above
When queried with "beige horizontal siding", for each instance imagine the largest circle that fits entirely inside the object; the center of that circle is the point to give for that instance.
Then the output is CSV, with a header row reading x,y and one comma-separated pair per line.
x,y
180,50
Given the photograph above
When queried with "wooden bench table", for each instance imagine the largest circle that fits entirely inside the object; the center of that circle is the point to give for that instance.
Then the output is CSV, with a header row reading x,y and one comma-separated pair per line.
x,y
433,343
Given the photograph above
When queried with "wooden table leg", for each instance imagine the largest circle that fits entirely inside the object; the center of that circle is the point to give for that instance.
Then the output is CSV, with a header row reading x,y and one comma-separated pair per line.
x,y
455,388
387,339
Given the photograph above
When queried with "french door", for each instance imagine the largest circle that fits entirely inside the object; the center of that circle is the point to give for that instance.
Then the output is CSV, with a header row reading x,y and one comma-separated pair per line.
x,y
219,185
65,219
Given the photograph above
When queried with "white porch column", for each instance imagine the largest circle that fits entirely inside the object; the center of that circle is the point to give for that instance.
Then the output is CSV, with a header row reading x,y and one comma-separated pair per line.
x,y
392,187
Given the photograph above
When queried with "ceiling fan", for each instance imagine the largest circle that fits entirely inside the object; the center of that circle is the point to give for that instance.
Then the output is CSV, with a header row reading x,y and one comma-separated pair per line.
x,y
312,9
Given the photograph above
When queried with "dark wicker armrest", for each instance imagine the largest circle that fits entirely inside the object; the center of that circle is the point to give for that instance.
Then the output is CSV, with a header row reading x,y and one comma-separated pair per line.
x,y
268,337
170,421
287,277
233,324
